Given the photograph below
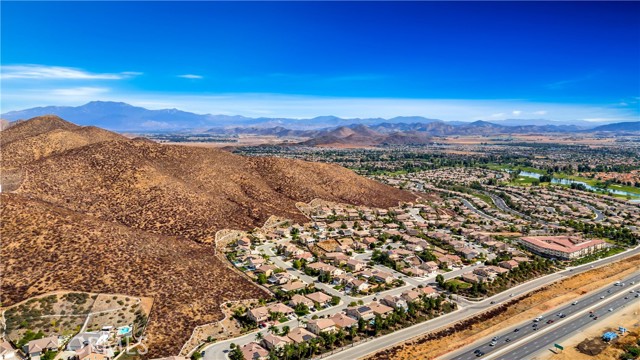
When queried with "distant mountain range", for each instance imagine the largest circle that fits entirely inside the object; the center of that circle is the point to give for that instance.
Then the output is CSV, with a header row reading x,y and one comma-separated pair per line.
x,y
124,117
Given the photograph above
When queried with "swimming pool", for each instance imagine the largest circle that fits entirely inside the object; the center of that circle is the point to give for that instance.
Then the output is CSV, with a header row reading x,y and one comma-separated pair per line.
x,y
124,330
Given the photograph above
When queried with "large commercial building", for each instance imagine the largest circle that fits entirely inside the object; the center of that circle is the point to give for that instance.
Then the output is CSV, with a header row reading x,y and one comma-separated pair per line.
x,y
562,247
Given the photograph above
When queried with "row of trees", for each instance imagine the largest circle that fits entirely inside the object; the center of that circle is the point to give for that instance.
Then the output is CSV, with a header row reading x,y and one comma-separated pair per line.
x,y
417,311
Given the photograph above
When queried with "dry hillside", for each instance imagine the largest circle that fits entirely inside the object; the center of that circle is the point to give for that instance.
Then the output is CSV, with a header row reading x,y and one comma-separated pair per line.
x,y
46,248
93,211
44,136
189,191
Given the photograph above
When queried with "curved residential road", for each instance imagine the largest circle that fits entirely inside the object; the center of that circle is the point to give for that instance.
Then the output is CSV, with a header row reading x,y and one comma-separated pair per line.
x,y
467,311
475,210
599,214
525,341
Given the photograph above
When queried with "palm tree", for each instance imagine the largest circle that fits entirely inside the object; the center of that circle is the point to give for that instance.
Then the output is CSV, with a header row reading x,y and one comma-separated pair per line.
x,y
285,330
259,337
273,329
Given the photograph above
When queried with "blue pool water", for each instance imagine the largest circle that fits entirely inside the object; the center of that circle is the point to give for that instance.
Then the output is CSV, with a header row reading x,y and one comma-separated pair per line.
x,y
124,330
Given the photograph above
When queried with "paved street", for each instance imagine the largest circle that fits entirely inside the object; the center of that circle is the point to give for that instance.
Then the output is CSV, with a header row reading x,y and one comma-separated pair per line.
x,y
529,337
468,310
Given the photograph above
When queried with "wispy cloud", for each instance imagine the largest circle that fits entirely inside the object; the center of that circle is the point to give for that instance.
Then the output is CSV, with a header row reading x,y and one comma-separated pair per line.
x,y
35,71
80,91
516,112
190,76
562,84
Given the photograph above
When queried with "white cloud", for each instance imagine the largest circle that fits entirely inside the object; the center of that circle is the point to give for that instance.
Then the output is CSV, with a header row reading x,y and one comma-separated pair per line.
x,y
34,71
190,76
80,91
516,112
540,112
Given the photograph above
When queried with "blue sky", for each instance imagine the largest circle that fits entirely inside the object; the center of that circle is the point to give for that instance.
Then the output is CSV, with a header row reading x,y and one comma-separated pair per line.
x,y
449,60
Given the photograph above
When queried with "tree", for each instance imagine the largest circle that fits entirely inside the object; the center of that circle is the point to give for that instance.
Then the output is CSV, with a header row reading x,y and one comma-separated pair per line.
x,y
259,337
285,330
440,280
335,300
262,279
236,353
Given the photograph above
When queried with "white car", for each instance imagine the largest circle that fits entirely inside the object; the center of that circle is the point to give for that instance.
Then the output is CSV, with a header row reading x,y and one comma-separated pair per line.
x,y
610,309
574,303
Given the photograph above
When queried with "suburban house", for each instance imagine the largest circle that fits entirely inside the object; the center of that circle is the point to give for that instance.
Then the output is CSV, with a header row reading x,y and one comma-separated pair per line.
x,y
360,312
40,346
394,302
428,291
355,265
281,278
265,269
508,264
429,266
280,308
300,335
358,284
259,315
324,268
253,351
383,276
271,341
319,297
321,325
7,352
380,309
342,321
293,286
299,299
97,340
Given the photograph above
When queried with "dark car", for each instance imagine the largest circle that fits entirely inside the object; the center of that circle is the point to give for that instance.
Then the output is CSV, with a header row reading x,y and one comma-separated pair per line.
x,y
595,318
477,351
507,340
563,316
479,354
550,322
516,330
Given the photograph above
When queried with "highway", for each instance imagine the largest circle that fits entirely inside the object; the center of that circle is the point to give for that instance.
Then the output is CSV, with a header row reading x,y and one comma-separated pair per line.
x,y
547,340
523,339
466,311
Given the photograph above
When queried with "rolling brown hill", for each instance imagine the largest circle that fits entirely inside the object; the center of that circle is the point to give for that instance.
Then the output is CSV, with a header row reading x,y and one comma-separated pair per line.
x,y
46,135
189,191
135,217
47,248
362,135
